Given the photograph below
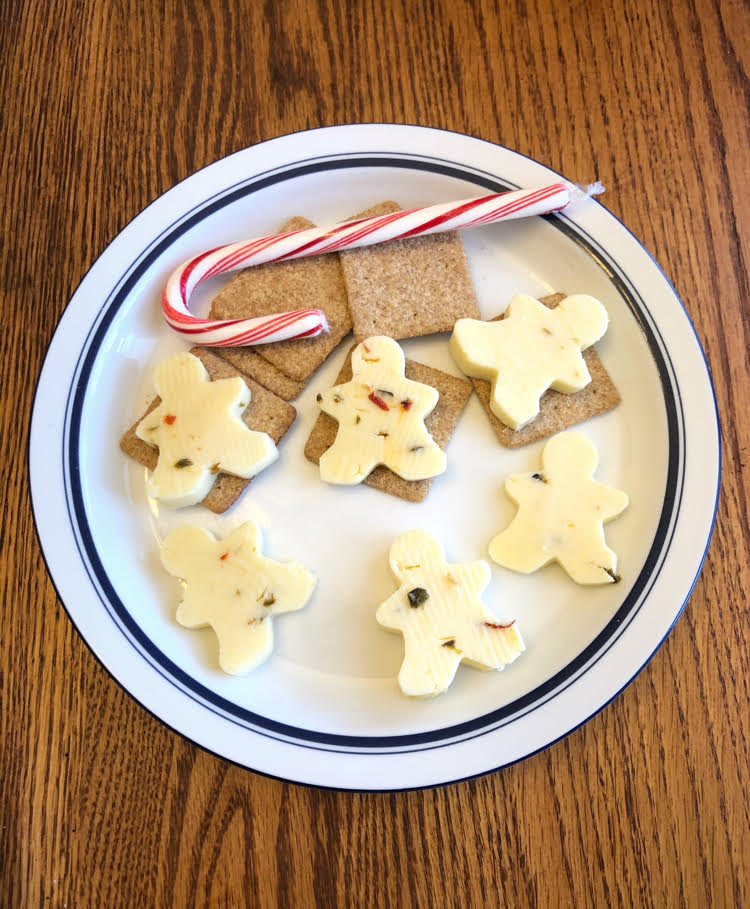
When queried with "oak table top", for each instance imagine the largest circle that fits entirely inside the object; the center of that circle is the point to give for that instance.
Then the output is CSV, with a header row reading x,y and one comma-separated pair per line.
x,y
107,105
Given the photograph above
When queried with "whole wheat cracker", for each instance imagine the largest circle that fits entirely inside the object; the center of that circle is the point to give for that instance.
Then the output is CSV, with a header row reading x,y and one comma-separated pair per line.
x,y
309,283
557,410
406,288
454,394
263,371
266,413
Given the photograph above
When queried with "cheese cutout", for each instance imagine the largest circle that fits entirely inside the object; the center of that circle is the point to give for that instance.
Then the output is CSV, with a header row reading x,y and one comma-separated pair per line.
x,y
199,431
561,512
231,586
531,349
381,419
441,616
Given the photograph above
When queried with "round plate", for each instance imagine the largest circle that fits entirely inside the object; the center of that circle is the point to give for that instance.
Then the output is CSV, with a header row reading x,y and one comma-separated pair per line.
x,y
325,709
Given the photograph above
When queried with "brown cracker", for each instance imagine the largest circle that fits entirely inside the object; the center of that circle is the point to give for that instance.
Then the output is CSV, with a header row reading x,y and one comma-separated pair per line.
x,y
278,287
263,371
454,393
265,413
406,288
557,410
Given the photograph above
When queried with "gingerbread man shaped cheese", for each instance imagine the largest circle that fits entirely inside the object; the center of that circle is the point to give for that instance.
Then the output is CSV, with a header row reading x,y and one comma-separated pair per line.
x,y
231,586
438,610
561,513
199,431
381,419
531,349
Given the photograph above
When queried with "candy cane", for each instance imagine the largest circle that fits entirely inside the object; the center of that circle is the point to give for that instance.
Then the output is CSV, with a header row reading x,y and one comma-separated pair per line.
x,y
315,241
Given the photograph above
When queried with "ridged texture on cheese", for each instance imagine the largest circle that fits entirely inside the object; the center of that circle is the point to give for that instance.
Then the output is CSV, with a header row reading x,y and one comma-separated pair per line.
x,y
447,626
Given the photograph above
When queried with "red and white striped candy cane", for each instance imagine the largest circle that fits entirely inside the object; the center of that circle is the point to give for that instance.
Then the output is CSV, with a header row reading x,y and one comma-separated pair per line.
x,y
306,323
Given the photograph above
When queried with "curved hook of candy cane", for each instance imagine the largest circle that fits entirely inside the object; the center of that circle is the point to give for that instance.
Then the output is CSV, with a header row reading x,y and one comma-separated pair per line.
x,y
316,241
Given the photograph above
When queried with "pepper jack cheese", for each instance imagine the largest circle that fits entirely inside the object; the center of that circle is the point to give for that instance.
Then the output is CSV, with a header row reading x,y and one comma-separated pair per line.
x,y
561,512
531,349
199,431
441,616
232,587
381,419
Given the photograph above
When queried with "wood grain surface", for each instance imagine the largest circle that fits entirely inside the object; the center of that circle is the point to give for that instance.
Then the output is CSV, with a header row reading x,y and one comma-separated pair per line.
x,y
105,105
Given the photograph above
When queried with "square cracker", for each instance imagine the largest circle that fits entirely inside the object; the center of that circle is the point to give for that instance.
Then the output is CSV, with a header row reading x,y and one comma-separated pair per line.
x,y
557,411
408,287
454,393
311,283
265,413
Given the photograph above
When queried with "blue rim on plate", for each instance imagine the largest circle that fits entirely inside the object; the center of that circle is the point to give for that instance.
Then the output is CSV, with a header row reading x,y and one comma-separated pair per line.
x,y
310,737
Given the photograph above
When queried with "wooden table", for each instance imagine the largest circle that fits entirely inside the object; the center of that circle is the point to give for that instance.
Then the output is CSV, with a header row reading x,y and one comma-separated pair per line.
x,y
107,105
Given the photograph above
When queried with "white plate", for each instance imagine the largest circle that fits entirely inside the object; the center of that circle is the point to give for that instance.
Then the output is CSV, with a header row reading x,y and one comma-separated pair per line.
x,y
325,709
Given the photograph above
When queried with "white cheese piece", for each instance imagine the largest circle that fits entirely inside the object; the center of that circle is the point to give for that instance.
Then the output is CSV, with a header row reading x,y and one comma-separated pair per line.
x,y
381,419
531,349
232,587
441,616
199,431
561,512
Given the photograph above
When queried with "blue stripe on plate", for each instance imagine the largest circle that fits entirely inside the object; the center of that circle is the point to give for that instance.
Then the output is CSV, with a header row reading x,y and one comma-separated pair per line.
x,y
308,737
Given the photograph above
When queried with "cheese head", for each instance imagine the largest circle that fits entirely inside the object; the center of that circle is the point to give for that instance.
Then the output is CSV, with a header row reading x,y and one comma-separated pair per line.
x,y
377,354
179,372
402,555
569,451
587,318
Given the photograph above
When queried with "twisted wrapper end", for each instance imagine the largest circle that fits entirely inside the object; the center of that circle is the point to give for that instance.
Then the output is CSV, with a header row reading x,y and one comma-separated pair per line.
x,y
580,192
